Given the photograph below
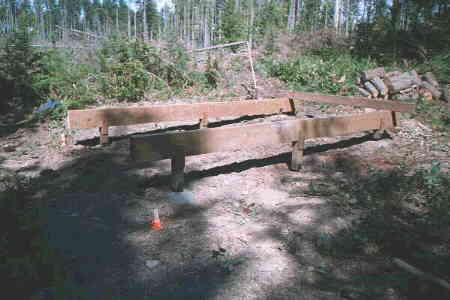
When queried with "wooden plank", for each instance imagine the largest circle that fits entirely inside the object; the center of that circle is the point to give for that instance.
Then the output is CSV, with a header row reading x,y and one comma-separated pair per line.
x,y
355,101
92,118
160,146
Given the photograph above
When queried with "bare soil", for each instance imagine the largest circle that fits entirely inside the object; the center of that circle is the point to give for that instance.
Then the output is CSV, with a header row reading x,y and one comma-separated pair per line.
x,y
246,227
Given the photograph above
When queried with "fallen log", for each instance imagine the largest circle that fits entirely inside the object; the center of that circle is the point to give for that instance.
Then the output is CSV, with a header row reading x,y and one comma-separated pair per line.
x,y
415,77
368,75
364,92
397,84
371,88
433,90
380,86
393,74
413,270
430,78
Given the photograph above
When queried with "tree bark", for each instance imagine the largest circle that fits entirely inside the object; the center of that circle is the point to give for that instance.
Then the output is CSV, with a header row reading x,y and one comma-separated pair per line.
x,y
144,20
337,15
370,74
379,84
371,88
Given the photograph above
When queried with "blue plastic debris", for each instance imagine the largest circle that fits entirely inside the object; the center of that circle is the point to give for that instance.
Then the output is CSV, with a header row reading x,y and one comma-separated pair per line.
x,y
48,106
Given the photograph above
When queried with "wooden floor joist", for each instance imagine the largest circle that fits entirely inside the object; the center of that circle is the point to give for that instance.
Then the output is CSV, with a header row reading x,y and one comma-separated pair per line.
x,y
93,118
120,116
395,106
160,146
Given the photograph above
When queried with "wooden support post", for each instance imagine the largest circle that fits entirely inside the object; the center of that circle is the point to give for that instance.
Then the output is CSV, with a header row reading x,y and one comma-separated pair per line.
x,y
297,153
298,106
104,133
378,134
178,164
204,121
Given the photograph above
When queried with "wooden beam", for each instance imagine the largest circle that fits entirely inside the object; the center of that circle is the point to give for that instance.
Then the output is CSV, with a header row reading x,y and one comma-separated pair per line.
x,y
354,101
160,146
92,118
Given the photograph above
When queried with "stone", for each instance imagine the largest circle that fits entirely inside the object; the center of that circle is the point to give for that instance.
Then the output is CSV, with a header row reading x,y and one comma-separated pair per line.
x,y
184,198
9,148
152,263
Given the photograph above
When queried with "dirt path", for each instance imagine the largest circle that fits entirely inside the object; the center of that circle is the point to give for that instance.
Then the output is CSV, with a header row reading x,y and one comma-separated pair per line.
x,y
245,228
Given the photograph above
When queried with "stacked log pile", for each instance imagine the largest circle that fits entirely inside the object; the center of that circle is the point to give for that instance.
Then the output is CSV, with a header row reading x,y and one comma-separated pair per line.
x,y
377,83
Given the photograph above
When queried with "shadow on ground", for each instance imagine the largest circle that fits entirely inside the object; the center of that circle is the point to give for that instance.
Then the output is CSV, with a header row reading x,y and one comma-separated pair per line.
x,y
96,213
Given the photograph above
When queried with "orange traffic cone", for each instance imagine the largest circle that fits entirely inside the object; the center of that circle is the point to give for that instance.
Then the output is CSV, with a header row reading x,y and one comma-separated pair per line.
x,y
156,223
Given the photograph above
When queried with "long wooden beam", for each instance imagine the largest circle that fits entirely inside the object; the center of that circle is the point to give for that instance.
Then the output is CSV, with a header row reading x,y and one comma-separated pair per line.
x,y
166,145
96,118
93,118
354,101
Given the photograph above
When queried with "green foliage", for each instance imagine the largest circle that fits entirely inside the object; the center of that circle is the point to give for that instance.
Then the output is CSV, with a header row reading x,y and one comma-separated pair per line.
x,y
322,71
26,261
212,74
64,78
439,65
18,66
436,192
419,199
435,113
129,69
270,19
232,26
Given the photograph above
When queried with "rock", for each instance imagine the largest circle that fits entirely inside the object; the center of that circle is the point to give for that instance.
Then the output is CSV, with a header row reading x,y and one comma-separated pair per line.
x,y
152,263
186,198
49,173
44,294
9,148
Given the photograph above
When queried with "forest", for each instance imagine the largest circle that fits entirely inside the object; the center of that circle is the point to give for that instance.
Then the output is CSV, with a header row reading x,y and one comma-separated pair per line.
x,y
365,218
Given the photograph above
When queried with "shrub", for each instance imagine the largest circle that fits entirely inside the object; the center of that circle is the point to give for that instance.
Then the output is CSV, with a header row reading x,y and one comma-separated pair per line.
x,y
322,71
18,66
64,78
130,69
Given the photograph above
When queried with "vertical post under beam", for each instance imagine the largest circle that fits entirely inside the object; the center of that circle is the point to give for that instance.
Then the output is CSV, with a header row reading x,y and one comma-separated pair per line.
x,y
104,133
204,121
177,179
297,153
297,106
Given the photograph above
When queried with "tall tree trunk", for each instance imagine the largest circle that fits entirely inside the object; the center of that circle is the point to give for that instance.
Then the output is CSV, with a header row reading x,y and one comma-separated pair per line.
x,y
144,20
117,19
135,25
291,15
129,24
252,17
348,18
337,15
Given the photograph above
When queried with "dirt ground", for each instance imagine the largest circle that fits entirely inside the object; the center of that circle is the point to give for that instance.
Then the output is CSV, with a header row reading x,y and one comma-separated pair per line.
x,y
246,227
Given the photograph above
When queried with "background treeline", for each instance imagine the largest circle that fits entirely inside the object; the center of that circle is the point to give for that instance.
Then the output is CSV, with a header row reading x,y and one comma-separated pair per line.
x,y
84,52
200,23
